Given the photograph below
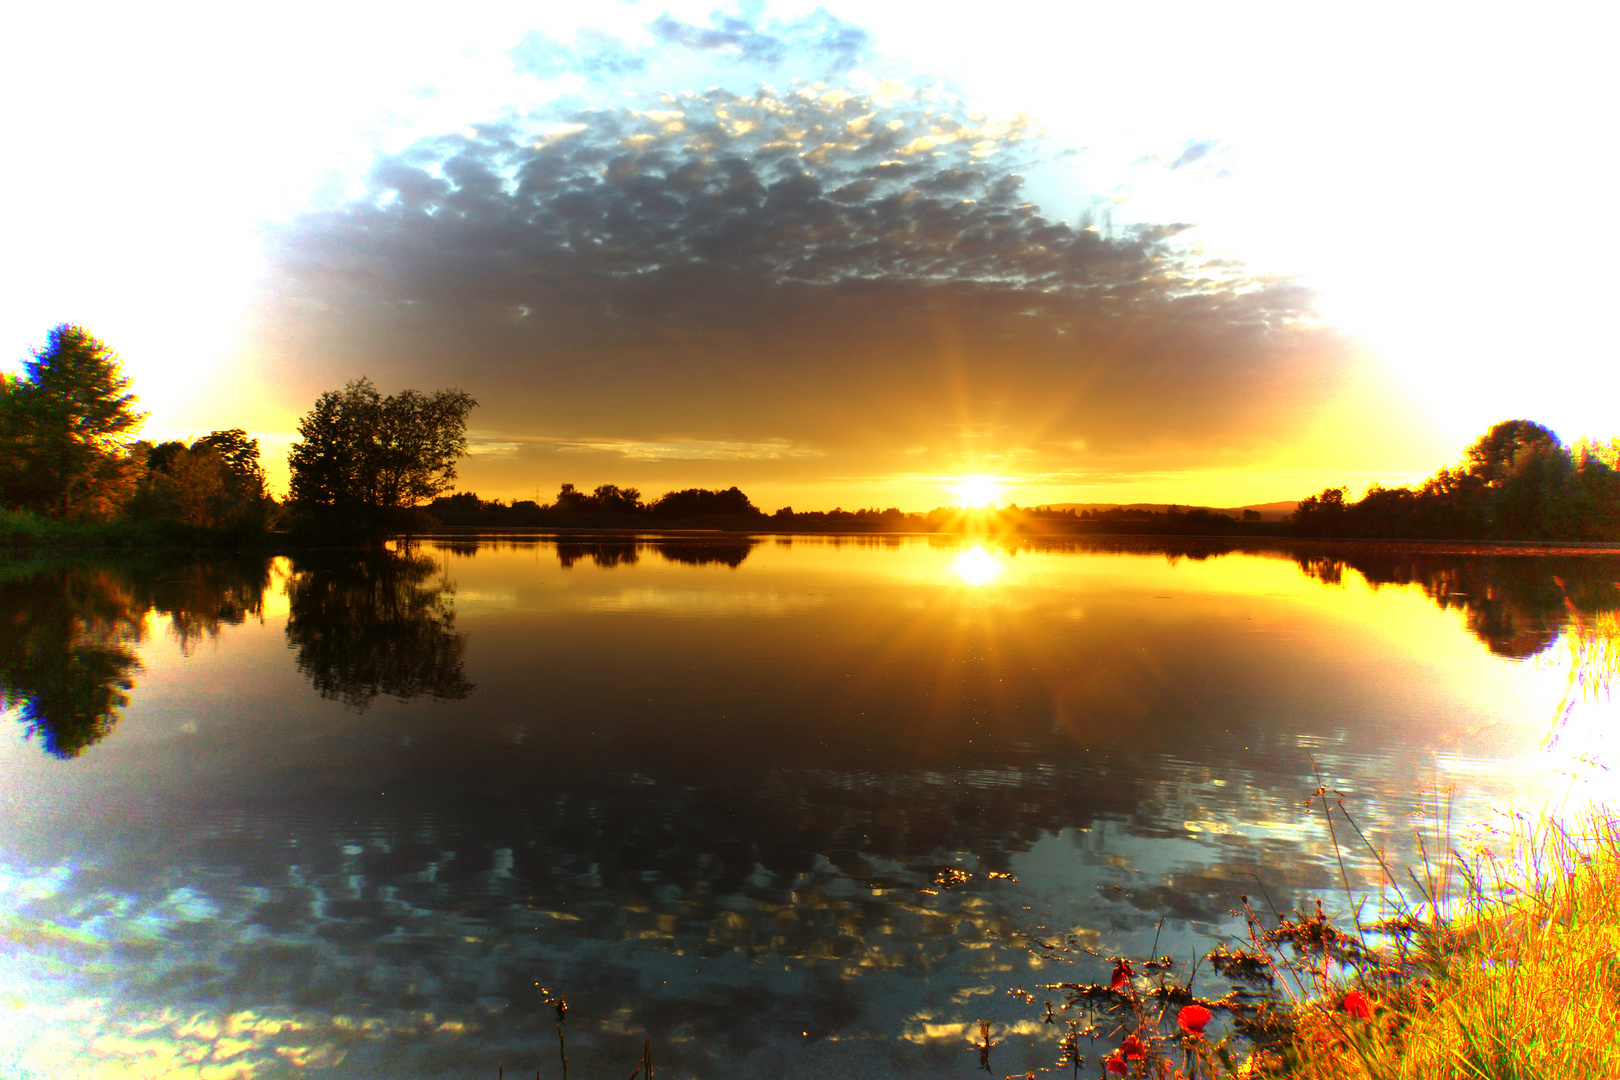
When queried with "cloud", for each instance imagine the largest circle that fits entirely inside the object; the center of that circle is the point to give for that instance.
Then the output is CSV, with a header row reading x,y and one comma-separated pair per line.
x,y
692,450
812,46
594,55
852,271
839,44
1193,152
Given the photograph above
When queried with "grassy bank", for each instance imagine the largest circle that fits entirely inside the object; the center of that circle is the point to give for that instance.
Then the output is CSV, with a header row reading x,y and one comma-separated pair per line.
x,y
1523,980
1483,967
25,531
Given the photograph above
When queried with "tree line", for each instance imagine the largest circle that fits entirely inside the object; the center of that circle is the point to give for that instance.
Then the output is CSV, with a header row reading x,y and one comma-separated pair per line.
x,y
69,459
608,506
1515,482
367,464
67,453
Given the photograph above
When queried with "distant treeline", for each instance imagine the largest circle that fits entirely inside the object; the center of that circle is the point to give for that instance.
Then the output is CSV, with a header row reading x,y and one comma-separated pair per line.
x,y
367,465
1516,482
612,507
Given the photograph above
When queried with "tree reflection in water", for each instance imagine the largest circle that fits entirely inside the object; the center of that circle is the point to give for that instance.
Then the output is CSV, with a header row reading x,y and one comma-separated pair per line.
x,y
68,634
67,654
1518,605
704,551
376,622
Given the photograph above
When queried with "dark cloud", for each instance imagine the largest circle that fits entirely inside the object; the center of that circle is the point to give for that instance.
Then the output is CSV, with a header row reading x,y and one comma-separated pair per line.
x,y
835,272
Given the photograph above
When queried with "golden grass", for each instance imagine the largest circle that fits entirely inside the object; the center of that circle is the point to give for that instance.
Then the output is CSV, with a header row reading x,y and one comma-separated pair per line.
x,y
1525,984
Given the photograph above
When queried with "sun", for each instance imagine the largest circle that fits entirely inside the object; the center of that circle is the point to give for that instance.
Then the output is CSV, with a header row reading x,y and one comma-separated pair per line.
x,y
977,490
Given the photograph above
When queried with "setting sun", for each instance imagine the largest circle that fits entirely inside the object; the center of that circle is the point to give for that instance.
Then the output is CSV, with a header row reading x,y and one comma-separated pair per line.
x,y
977,490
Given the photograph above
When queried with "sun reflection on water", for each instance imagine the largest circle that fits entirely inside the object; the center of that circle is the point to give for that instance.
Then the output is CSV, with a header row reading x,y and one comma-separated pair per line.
x,y
976,566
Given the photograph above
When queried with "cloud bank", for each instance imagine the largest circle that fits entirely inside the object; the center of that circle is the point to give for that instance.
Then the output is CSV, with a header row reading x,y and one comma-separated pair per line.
x,y
847,271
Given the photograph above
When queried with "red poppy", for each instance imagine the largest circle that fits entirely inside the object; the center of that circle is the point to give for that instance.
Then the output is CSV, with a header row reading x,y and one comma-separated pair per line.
x,y
1358,1004
1116,1065
1192,1019
1122,975
1133,1048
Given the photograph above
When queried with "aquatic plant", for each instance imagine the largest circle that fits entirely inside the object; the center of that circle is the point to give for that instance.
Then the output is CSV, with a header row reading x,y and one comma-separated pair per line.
x,y
1499,967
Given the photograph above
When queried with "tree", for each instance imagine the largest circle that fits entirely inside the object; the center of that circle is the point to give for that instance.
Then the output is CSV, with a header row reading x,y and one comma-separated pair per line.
x,y
1321,515
1492,456
701,502
65,425
362,454
214,485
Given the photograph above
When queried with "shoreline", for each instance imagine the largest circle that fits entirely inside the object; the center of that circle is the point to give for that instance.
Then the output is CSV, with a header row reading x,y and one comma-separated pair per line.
x,y
280,544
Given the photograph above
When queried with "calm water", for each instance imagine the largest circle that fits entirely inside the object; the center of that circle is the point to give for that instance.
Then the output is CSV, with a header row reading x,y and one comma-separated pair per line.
x,y
789,808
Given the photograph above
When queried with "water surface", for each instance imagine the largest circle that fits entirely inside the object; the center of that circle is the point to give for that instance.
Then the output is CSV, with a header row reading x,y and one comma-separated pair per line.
x,y
787,806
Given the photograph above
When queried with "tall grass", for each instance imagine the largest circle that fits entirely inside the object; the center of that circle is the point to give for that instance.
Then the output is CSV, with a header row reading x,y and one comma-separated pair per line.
x,y
1524,981
1483,967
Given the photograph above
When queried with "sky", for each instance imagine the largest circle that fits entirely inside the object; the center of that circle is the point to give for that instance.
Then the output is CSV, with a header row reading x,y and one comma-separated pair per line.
x,y
842,254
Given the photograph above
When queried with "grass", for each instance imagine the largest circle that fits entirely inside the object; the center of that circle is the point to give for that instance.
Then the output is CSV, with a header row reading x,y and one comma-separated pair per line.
x,y
25,529
1523,982
1500,968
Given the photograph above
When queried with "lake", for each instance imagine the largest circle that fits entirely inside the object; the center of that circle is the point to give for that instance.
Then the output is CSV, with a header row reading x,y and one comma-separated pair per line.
x,y
783,806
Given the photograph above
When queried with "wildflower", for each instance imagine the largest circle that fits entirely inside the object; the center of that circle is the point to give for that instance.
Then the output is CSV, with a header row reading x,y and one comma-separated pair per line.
x,y
1116,1065
1122,975
1133,1048
1358,1005
1192,1019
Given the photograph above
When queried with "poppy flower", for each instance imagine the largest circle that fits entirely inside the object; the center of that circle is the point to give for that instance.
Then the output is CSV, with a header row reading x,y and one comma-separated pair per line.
x,y
1192,1019
1116,1065
1122,975
1358,1004
1133,1048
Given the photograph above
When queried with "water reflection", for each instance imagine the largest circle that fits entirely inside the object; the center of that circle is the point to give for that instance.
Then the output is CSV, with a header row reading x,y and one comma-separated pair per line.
x,y
362,624
821,831
67,654
606,554
69,634
975,567
370,623
602,553
705,552
1518,605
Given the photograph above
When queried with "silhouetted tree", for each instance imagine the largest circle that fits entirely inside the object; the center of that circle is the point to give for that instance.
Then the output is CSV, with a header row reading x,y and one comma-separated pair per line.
x,y
1321,515
700,502
1493,455
64,425
363,455
1516,482
612,499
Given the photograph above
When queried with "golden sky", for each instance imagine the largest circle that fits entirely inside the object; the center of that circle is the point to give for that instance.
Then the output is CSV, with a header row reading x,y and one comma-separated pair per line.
x,y
837,255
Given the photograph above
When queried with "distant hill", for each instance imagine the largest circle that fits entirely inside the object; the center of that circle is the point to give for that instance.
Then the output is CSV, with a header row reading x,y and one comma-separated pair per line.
x,y
1272,511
